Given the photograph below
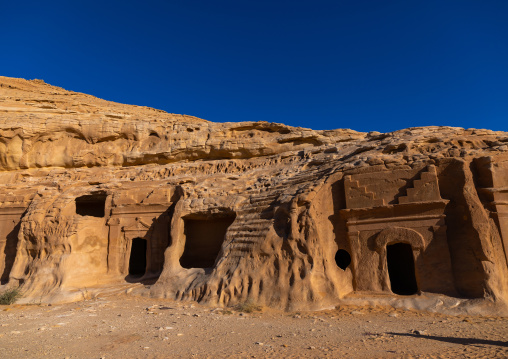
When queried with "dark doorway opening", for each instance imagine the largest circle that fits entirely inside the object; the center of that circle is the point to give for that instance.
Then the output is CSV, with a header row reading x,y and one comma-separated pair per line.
x,y
343,259
401,268
137,262
11,245
91,205
204,238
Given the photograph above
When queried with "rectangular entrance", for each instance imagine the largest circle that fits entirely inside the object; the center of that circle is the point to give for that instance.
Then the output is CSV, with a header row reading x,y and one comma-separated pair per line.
x,y
91,205
203,241
401,268
137,260
8,250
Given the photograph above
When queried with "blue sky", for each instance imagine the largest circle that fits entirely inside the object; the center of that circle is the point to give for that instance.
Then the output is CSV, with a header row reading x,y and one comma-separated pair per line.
x,y
372,65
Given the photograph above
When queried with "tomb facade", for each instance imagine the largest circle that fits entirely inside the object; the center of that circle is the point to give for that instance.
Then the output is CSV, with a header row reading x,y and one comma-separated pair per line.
x,y
103,196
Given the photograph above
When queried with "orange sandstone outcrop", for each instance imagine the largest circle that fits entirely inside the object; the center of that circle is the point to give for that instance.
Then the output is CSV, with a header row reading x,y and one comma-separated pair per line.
x,y
99,195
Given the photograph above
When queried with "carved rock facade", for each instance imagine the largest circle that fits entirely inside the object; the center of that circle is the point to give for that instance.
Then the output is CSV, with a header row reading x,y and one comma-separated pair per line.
x,y
105,196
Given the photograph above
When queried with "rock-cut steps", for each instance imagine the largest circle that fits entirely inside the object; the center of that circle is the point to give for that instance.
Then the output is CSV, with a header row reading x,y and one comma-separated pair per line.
x,y
424,189
250,228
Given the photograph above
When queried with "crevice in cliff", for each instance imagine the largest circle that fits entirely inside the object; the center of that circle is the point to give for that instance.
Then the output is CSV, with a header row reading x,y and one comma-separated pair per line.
x,y
301,141
263,126
463,239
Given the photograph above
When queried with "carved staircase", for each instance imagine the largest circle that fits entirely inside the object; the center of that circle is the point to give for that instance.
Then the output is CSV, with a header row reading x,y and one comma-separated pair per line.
x,y
250,228
425,189
358,196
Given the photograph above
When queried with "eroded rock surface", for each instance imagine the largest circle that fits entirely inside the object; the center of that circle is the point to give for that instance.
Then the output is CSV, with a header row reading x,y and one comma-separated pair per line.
x,y
97,195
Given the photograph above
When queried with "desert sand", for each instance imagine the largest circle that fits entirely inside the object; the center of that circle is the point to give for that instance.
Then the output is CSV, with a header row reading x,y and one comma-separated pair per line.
x,y
118,326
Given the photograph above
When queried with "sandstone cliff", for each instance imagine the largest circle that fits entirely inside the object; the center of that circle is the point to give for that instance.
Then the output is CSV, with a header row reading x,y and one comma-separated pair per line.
x,y
98,195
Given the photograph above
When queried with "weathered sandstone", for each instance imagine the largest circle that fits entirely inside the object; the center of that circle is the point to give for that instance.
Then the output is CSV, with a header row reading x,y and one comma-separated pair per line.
x,y
97,195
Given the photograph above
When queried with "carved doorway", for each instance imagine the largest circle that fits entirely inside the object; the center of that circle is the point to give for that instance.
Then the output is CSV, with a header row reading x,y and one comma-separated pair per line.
x,y
203,240
137,261
401,268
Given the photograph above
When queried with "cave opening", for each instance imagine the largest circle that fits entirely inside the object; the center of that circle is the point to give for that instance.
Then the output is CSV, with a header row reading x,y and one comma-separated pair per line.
x,y
401,268
204,238
91,205
343,259
137,261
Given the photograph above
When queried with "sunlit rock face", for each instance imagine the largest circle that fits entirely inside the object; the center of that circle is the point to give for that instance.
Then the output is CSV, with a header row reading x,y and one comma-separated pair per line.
x,y
100,196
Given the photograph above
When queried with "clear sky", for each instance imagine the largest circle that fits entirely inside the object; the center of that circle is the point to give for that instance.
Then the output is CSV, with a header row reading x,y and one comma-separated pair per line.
x,y
369,65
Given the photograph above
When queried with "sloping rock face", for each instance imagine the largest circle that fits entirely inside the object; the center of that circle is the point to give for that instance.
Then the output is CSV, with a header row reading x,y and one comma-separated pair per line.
x,y
97,194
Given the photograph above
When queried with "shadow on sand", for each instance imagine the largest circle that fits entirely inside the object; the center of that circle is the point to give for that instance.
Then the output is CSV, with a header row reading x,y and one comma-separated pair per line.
x,y
461,341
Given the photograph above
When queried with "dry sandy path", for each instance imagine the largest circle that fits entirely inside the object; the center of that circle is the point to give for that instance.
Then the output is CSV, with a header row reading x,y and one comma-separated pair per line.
x,y
134,327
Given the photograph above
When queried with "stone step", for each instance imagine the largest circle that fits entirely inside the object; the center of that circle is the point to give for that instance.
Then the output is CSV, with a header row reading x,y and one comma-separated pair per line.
x,y
251,220
246,228
244,241
239,248
247,234
428,176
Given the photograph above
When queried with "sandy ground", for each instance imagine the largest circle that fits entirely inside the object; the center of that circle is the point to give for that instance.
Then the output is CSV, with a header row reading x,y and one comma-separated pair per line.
x,y
136,327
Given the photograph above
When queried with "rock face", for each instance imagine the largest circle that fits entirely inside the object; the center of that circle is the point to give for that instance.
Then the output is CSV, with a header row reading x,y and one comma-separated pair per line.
x,y
96,195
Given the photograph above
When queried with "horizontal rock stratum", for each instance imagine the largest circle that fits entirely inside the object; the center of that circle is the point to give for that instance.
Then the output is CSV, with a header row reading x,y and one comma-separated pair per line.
x,y
100,196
